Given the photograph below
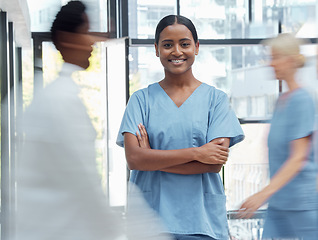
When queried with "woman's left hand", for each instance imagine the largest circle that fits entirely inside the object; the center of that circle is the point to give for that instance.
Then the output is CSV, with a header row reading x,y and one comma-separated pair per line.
x,y
142,138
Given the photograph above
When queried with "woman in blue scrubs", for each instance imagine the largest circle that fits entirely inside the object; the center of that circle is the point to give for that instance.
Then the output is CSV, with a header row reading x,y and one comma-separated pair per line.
x,y
291,193
176,135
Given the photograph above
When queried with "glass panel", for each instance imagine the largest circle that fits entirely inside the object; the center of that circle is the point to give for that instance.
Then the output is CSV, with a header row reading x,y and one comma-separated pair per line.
x,y
296,16
116,103
42,14
97,14
213,19
231,69
27,75
144,16
230,19
227,19
145,68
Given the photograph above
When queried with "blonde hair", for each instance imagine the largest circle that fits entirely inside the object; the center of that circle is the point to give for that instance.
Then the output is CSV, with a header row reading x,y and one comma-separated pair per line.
x,y
288,45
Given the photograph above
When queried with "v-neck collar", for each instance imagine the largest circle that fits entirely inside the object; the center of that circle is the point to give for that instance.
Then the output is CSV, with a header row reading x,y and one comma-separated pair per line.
x,y
195,90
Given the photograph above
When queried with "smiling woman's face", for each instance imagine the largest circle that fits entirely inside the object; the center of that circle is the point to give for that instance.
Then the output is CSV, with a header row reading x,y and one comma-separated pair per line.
x,y
176,48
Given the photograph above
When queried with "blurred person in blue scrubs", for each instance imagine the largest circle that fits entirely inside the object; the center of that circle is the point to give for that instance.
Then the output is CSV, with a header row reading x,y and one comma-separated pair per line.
x,y
176,134
292,191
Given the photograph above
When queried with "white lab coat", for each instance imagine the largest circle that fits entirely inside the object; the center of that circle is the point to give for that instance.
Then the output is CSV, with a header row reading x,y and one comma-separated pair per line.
x,y
59,191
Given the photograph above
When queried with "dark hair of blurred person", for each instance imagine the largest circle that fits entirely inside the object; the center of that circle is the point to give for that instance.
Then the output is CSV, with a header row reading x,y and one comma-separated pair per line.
x,y
70,36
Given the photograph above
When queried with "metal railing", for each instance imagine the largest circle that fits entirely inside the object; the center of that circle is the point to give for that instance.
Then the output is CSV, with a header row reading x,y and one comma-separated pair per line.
x,y
246,229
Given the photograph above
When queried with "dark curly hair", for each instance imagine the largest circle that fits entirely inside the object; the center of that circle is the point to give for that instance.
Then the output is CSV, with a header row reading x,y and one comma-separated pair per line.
x,y
68,19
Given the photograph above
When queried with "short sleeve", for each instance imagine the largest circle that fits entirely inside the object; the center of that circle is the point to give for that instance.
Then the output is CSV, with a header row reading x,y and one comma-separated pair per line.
x,y
301,115
134,114
223,121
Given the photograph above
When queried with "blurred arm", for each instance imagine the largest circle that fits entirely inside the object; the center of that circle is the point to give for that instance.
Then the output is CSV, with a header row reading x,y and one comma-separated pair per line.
x,y
295,162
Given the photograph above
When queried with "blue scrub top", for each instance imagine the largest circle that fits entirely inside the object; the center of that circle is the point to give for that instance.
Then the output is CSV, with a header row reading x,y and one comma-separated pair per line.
x,y
188,204
293,118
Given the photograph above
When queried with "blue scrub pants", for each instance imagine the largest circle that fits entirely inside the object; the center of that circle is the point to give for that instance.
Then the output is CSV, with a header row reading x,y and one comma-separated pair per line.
x,y
302,225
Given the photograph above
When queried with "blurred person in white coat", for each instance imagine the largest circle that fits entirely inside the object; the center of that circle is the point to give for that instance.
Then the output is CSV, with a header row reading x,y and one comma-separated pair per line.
x,y
59,192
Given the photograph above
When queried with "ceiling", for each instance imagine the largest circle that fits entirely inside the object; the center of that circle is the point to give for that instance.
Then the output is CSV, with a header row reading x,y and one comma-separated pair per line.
x,y
18,13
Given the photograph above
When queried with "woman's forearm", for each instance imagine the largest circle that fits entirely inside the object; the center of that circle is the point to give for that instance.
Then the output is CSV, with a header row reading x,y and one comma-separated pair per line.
x,y
196,167
146,159
153,160
193,167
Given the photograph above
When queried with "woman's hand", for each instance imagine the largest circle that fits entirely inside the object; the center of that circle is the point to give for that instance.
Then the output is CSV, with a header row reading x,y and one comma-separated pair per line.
x,y
142,138
214,152
248,208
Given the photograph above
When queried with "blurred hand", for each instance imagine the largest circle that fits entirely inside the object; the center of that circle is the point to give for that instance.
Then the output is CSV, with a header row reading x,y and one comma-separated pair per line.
x,y
143,139
213,152
254,202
